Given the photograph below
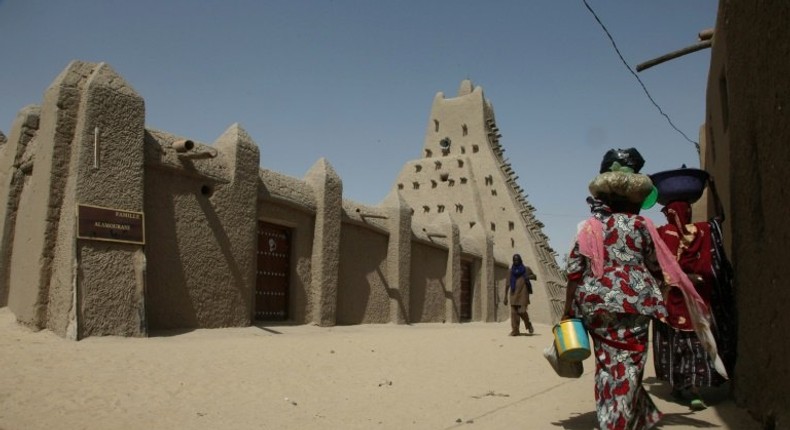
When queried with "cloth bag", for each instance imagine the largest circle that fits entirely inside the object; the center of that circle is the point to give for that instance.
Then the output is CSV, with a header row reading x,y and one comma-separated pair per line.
x,y
563,368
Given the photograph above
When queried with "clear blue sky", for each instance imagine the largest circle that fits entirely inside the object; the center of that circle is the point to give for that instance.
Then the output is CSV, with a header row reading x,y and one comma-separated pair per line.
x,y
353,81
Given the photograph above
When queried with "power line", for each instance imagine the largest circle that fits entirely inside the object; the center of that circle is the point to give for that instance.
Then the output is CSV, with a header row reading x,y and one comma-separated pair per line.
x,y
644,88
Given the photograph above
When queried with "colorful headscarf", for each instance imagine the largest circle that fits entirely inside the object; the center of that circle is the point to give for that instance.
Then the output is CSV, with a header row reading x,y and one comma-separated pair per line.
x,y
691,243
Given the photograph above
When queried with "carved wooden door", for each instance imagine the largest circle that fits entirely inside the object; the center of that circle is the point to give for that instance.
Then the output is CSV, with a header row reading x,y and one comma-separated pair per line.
x,y
271,286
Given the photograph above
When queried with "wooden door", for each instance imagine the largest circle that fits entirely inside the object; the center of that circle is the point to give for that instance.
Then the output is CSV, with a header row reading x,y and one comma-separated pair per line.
x,y
271,286
466,291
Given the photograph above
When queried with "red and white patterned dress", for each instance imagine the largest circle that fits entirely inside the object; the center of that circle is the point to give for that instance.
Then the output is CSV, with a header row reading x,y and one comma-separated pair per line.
x,y
616,308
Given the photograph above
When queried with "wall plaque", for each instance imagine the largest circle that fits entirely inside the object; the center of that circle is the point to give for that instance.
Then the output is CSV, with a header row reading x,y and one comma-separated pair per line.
x,y
114,225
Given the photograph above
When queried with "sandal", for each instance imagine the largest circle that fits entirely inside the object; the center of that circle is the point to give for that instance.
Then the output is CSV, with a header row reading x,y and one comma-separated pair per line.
x,y
697,404
530,329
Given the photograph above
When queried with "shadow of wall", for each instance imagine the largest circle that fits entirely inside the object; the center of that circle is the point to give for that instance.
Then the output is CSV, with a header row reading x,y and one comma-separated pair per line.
x,y
427,291
201,232
363,293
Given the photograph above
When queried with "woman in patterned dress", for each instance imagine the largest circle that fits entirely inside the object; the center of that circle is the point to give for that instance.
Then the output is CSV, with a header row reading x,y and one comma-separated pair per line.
x,y
679,357
616,305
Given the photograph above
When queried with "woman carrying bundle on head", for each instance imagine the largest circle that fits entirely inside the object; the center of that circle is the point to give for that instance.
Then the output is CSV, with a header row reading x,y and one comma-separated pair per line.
x,y
679,356
615,271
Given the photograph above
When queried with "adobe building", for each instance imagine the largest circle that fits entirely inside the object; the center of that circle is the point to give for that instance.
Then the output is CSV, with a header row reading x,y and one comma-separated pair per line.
x,y
746,148
463,172
110,228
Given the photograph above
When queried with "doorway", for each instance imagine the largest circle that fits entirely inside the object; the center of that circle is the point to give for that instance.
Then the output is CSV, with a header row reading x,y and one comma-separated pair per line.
x,y
466,291
273,272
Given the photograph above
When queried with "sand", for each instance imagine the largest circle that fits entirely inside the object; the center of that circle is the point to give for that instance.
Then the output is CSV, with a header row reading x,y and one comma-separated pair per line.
x,y
424,376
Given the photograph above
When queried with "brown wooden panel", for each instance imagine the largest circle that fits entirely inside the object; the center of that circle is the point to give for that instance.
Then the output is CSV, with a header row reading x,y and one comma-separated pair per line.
x,y
272,283
466,292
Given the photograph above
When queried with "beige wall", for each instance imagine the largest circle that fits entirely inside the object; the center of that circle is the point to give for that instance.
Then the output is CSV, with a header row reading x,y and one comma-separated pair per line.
x,y
201,232
363,292
428,283
86,150
12,179
42,194
502,310
106,169
179,247
748,152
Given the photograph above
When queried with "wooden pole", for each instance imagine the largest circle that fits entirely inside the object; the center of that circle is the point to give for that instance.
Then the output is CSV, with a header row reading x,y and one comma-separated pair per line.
x,y
675,54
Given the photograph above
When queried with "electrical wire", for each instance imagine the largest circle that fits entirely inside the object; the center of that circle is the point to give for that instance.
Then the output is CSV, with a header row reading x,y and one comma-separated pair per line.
x,y
644,88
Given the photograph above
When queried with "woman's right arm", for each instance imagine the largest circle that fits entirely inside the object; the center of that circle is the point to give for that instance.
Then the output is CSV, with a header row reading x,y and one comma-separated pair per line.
x,y
575,271
570,295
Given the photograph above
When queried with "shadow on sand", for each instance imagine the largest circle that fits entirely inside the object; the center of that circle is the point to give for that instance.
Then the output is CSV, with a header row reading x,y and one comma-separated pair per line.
x,y
713,397
588,420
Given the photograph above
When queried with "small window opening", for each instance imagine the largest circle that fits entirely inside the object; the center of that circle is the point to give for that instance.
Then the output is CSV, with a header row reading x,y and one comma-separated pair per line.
x,y
444,177
475,148
436,125
418,168
440,208
400,186
511,225
416,185
464,129
493,227
445,145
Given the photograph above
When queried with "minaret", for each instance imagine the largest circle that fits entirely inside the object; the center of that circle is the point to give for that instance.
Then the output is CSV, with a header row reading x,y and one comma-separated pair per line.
x,y
463,172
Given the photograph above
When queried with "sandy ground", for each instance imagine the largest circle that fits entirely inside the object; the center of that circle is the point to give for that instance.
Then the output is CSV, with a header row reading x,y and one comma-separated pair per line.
x,y
426,376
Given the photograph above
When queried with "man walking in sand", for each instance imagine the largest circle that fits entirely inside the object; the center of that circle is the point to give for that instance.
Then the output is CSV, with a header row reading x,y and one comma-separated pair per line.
x,y
518,289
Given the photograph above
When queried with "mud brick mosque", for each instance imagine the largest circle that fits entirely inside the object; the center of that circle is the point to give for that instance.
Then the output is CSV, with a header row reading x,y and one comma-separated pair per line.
x,y
111,228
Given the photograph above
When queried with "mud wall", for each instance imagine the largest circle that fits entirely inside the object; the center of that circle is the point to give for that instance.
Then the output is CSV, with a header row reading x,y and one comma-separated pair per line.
x,y
748,133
